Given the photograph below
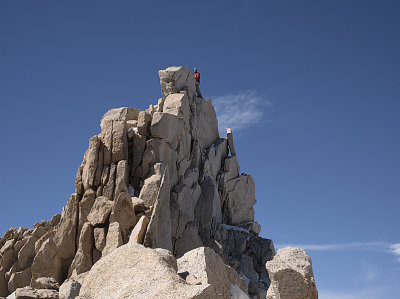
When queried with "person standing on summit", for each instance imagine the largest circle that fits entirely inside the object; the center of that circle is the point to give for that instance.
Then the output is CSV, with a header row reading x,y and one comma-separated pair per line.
x,y
197,82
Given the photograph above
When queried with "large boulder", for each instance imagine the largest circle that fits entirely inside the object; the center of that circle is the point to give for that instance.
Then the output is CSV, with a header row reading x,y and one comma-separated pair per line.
x,y
203,266
178,105
114,133
134,271
65,236
144,120
165,126
123,113
291,275
175,79
100,211
47,263
239,199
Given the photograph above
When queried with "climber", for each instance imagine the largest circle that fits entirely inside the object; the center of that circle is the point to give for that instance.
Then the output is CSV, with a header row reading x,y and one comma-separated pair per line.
x,y
197,82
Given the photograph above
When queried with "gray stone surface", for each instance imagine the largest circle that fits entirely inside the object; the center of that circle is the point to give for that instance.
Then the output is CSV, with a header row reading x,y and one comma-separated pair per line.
x,y
114,238
239,199
178,105
165,126
243,249
123,212
138,233
139,144
123,113
100,211
229,135
47,263
121,179
100,238
119,150
158,234
109,185
69,289
65,236
27,252
19,279
89,170
207,124
203,266
291,275
85,206
144,121
150,189
175,79
83,259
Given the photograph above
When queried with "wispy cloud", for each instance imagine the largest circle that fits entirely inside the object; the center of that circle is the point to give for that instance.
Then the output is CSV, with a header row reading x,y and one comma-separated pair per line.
x,y
358,294
395,249
240,110
360,246
341,246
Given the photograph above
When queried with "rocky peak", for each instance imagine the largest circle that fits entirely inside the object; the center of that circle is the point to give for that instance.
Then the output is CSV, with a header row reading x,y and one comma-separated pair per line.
x,y
162,178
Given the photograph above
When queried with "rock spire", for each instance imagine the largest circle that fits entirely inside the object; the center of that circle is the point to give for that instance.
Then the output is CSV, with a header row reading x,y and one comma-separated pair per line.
x,y
157,188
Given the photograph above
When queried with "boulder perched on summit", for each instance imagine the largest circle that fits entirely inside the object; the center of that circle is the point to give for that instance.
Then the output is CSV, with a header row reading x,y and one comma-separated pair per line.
x,y
175,79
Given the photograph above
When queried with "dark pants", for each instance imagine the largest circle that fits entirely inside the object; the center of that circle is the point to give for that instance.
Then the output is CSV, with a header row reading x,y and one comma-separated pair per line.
x,y
198,90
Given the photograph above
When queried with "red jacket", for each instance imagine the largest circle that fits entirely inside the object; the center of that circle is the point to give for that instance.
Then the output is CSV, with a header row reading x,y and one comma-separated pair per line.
x,y
197,77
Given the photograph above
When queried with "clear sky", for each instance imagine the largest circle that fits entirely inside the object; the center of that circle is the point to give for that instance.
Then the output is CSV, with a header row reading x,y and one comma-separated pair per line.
x,y
311,90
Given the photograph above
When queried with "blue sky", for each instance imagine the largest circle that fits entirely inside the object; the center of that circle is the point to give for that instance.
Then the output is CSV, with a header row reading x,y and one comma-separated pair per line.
x,y
312,91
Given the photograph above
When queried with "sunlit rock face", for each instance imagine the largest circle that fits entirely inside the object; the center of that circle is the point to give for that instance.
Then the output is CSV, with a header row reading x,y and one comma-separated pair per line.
x,y
157,186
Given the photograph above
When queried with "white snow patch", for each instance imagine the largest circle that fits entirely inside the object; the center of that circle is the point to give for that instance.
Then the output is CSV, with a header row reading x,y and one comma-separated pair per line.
x,y
12,296
237,228
133,129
